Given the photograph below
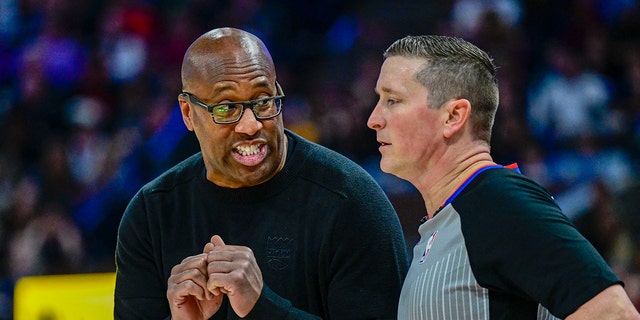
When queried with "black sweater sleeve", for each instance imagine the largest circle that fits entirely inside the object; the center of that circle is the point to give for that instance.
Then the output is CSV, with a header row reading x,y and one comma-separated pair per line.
x,y
140,291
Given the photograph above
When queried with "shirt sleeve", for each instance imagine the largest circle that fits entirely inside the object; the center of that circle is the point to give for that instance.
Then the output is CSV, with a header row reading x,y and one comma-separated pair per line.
x,y
369,262
272,306
140,291
520,243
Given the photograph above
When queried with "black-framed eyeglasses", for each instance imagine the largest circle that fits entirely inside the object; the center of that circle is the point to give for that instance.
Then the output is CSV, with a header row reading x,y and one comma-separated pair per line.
x,y
231,112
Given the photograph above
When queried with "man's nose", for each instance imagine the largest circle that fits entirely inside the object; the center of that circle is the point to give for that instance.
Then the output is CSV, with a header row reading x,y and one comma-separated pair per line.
x,y
248,123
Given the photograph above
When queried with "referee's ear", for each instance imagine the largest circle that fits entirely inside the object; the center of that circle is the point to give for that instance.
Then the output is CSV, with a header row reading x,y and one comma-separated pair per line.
x,y
457,115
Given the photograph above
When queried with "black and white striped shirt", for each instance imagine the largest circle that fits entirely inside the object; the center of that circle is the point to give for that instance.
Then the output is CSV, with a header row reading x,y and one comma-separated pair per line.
x,y
500,248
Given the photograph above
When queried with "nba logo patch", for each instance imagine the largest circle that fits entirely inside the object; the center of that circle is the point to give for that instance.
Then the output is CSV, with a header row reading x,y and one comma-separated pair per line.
x,y
430,241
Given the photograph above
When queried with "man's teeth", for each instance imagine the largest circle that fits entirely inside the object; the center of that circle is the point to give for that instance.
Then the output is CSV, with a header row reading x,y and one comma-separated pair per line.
x,y
248,150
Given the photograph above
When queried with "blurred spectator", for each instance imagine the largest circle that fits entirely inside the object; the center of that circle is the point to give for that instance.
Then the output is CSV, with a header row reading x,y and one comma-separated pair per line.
x,y
627,204
87,143
49,243
55,175
601,224
570,103
37,238
629,102
569,113
467,15
609,226
122,43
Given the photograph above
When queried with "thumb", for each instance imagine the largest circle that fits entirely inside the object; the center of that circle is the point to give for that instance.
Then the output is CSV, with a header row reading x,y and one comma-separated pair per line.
x,y
217,240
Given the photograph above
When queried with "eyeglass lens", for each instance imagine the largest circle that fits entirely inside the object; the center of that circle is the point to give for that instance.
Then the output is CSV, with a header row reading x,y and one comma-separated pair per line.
x,y
263,108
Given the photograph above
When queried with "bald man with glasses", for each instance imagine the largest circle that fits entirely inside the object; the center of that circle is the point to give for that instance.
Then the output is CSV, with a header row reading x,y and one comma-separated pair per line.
x,y
261,223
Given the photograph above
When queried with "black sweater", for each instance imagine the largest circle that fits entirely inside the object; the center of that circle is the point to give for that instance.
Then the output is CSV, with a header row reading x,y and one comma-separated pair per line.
x,y
325,236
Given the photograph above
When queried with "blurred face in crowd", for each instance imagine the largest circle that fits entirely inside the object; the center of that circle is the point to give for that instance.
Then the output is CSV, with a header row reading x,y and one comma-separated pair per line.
x,y
233,67
406,128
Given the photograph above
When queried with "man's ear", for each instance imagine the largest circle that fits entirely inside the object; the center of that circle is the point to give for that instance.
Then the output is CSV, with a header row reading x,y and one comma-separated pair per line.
x,y
185,109
458,113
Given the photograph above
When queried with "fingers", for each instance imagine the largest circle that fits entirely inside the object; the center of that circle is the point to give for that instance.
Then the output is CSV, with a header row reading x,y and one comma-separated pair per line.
x,y
218,272
217,240
197,262
233,268
219,261
190,278
240,279
187,286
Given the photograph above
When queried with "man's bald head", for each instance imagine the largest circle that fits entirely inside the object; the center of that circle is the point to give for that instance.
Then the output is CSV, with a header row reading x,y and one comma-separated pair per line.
x,y
223,51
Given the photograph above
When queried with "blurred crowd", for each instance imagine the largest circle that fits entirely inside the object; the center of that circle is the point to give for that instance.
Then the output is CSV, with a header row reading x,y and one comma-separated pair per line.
x,y
88,110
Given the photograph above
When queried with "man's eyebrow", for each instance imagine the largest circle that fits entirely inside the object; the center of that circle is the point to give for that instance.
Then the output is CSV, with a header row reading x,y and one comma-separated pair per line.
x,y
383,90
219,89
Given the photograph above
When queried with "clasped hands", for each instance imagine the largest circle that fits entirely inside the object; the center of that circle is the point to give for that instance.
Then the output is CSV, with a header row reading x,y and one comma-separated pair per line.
x,y
198,284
